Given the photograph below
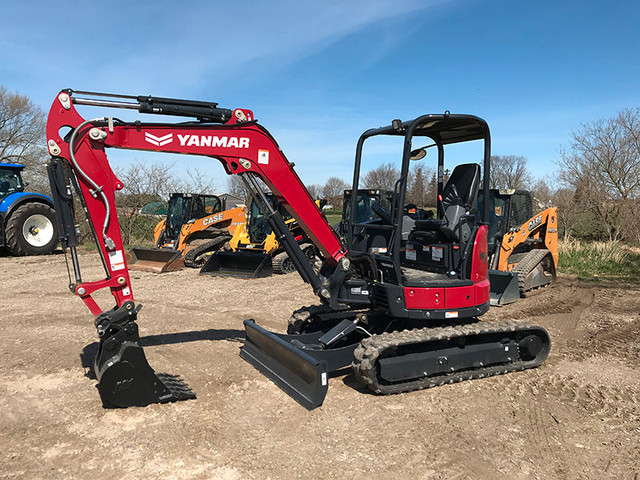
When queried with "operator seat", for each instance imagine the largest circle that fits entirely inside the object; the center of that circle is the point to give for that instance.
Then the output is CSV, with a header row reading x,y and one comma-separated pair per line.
x,y
459,198
4,186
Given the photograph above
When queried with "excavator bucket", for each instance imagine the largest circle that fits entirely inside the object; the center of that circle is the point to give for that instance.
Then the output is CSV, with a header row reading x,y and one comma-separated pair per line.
x,y
239,264
125,378
505,288
297,373
154,260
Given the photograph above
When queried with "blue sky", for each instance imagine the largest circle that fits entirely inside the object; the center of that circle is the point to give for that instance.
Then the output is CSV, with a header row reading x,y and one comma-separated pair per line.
x,y
317,74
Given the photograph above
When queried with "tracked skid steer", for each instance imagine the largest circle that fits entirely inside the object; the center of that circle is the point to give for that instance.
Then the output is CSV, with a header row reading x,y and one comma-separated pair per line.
x,y
523,246
399,301
196,226
254,250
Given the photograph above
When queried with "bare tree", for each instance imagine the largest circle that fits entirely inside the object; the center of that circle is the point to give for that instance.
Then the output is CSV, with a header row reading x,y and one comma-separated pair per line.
x,y
602,167
333,190
143,184
235,186
196,182
421,186
22,137
510,171
383,177
543,193
334,187
315,191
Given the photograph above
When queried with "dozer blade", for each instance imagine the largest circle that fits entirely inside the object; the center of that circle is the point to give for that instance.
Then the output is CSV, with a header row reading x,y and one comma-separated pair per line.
x,y
241,264
504,287
154,260
297,373
125,378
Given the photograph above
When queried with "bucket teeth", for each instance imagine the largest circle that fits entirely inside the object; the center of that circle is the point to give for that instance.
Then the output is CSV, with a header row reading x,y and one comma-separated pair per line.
x,y
177,386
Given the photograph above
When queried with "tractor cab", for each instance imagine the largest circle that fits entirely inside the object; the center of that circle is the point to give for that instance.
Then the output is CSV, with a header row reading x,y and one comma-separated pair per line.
x,y
10,179
508,211
257,223
366,202
369,204
185,208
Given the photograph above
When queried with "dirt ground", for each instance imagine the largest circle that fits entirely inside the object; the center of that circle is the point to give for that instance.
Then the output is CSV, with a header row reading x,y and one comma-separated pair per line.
x,y
576,417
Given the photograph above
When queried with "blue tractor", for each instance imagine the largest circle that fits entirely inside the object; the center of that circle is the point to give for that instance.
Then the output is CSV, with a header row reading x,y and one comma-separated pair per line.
x,y
27,220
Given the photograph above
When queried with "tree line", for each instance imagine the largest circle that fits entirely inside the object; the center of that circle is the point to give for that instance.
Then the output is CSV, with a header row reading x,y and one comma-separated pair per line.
x,y
597,188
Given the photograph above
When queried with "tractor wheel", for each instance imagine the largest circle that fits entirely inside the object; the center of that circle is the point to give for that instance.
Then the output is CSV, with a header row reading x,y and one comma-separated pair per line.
x,y
32,230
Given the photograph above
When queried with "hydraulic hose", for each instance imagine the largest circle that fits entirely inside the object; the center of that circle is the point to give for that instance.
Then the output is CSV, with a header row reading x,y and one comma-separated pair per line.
x,y
96,189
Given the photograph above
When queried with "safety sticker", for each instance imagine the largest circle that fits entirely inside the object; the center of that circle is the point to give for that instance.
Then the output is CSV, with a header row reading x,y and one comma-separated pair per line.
x,y
359,291
126,291
263,157
450,314
410,252
437,253
116,259
324,378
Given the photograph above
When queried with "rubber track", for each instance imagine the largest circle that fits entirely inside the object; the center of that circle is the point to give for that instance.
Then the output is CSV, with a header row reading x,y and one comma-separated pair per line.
x,y
369,350
528,263
278,261
216,243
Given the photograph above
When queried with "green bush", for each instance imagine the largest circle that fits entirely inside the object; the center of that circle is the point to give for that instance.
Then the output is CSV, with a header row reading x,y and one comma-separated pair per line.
x,y
611,260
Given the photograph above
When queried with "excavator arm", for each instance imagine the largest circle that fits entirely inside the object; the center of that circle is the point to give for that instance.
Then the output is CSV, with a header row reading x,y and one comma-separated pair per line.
x,y
79,161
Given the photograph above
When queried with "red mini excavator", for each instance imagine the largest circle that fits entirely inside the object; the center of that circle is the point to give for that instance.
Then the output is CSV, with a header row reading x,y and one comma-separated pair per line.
x,y
399,302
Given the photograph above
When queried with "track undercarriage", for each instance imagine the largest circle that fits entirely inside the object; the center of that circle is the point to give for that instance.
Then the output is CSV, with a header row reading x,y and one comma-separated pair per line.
x,y
384,357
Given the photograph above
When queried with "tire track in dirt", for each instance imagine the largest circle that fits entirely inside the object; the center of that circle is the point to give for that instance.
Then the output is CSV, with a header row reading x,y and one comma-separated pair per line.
x,y
619,340
618,406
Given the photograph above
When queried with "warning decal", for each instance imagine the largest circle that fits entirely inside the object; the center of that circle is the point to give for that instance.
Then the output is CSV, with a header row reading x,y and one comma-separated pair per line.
x,y
263,157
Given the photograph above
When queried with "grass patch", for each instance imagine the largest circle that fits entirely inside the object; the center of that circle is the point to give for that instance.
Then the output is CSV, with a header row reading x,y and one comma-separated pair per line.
x,y
333,218
612,261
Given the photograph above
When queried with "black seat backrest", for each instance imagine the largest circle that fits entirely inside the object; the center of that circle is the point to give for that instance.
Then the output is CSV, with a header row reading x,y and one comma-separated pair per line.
x,y
459,198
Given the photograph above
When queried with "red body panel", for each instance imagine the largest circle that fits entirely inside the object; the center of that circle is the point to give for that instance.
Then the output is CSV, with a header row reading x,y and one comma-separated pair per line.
x,y
452,298
424,298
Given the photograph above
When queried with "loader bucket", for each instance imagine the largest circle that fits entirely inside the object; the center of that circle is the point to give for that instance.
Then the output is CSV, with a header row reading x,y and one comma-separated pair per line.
x,y
242,264
155,260
297,373
505,288
125,378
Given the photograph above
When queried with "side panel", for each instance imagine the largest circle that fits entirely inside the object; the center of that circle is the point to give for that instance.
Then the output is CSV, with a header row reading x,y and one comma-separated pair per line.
x,y
230,219
542,226
10,202
424,298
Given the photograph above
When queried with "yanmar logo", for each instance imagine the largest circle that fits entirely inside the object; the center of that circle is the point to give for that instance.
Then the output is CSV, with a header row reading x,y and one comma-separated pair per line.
x,y
212,141
158,141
